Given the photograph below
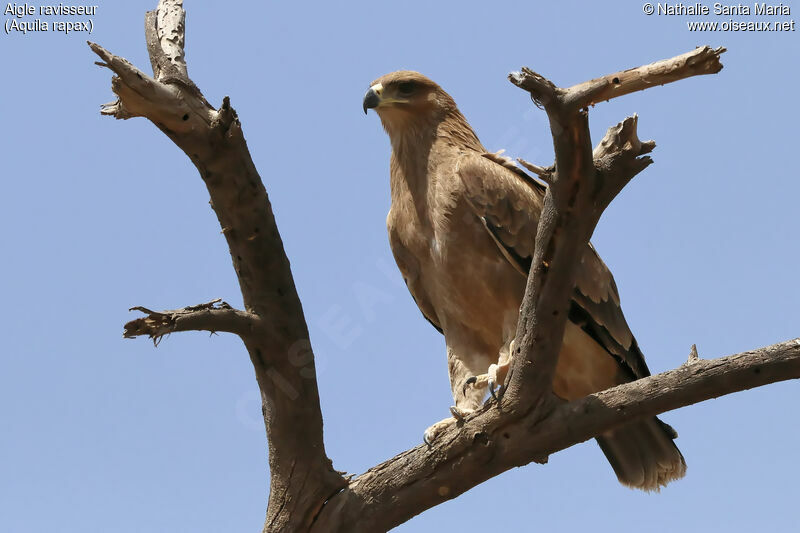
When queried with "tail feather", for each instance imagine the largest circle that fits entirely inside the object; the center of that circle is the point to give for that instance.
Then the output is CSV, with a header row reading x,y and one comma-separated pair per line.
x,y
643,455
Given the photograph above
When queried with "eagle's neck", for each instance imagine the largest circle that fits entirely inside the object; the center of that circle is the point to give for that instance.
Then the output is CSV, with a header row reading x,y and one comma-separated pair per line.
x,y
420,150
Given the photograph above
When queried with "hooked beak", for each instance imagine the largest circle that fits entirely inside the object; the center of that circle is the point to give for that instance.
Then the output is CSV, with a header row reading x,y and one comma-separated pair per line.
x,y
373,97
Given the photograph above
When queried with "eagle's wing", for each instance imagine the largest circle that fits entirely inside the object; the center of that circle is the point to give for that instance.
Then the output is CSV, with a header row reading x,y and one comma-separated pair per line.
x,y
509,203
409,267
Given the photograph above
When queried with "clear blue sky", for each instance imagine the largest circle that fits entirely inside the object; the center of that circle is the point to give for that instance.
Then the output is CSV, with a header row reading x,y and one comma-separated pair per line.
x,y
104,434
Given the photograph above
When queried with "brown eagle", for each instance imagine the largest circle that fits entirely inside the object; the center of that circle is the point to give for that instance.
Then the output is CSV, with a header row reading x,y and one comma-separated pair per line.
x,y
462,226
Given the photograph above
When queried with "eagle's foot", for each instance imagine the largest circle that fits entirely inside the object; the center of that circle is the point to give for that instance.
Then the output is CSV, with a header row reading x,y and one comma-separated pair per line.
x,y
432,432
497,378
494,379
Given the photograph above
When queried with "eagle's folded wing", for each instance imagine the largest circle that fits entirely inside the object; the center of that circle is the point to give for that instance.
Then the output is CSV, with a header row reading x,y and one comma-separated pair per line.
x,y
509,203
409,267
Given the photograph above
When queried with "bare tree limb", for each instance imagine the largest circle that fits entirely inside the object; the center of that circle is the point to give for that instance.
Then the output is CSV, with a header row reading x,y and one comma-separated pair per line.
x,y
686,385
306,493
165,31
491,442
203,317
582,185
701,60
302,476
546,174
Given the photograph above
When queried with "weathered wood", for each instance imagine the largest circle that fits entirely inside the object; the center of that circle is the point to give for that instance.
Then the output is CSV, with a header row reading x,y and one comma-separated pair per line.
x,y
492,442
204,317
701,60
302,476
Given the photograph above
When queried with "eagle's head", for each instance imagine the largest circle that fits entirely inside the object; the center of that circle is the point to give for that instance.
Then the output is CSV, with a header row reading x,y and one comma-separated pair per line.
x,y
407,99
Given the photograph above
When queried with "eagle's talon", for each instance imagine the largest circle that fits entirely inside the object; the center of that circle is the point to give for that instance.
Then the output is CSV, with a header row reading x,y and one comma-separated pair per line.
x,y
469,381
496,378
477,382
458,414
497,394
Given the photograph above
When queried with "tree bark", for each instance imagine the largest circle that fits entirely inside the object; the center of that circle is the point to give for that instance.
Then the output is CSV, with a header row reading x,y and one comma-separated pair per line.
x,y
306,493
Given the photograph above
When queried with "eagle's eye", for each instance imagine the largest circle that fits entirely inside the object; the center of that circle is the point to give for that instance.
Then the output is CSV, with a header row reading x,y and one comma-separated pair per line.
x,y
405,88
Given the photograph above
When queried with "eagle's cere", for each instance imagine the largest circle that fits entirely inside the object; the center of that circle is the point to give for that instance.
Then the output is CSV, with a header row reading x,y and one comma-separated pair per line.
x,y
461,226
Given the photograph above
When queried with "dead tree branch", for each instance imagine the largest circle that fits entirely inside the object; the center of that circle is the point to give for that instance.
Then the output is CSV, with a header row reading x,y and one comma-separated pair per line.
x,y
701,60
493,442
306,493
302,477
582,185
203,317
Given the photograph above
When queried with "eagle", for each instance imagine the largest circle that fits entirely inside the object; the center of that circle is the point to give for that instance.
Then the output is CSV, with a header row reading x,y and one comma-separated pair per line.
x,y
462,228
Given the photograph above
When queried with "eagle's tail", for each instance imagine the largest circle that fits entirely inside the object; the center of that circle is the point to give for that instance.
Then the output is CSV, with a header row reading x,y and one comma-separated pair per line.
x,y
643,455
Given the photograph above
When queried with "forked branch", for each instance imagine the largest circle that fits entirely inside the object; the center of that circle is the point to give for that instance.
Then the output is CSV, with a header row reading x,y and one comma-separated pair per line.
x,y
272,327
582,185
701,60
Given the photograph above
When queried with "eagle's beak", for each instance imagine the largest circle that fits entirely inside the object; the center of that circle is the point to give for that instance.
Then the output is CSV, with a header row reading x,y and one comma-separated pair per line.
x,y
373,97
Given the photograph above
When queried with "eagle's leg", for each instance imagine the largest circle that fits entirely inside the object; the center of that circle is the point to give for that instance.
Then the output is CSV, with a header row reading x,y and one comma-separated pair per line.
x,y
462,362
